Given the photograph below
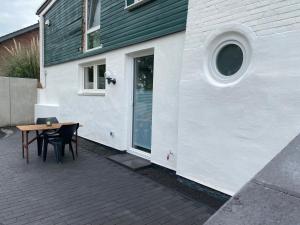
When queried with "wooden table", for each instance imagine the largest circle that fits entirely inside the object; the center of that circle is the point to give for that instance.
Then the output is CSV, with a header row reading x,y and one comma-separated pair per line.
x,y
25,129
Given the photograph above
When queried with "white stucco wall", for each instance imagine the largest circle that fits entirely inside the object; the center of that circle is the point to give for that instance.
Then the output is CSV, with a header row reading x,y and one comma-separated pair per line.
x,y
101,115
228,133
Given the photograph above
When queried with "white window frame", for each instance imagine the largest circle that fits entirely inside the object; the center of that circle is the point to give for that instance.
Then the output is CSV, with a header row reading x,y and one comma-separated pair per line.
x,y
91,30
95,90
135,4
215,45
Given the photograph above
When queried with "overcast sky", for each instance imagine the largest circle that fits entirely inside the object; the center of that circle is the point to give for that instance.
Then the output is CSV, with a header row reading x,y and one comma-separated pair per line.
x,y
17,14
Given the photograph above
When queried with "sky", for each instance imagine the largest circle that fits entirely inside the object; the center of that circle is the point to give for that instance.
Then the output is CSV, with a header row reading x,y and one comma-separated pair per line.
x,y
17,14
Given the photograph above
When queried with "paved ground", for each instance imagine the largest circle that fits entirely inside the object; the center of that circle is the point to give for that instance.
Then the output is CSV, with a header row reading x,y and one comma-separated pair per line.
x,y
272,197
91,190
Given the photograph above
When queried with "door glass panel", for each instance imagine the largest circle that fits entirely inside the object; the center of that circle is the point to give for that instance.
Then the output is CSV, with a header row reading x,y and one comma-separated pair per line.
x,y
142,103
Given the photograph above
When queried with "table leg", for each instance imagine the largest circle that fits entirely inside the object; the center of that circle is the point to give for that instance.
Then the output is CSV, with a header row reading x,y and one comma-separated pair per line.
x,y
27,146
23,155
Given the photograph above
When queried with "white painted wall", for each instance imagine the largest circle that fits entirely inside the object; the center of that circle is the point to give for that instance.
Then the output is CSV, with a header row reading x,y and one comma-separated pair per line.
x,y
228,133
102,114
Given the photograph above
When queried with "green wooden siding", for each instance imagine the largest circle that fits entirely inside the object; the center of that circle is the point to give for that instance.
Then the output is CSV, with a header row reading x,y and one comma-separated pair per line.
x,y
119,27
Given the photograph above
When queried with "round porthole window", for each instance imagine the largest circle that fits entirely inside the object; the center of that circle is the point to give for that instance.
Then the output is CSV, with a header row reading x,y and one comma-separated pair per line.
x,y
228,58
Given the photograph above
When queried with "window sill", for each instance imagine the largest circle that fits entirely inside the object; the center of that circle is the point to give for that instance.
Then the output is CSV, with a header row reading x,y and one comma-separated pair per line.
x,y
136,4
91,93
93,49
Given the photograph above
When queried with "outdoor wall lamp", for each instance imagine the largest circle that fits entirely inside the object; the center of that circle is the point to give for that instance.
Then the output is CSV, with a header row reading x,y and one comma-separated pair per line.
x,y
48,23
111,80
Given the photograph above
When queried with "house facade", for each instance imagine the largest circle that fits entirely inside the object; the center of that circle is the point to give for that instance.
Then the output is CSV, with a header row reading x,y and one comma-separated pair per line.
x,y
23,36
137,44
199,88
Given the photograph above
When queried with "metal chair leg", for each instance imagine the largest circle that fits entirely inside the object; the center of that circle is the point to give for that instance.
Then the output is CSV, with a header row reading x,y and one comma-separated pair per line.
x,y
71,149
57,150
40,141
45,150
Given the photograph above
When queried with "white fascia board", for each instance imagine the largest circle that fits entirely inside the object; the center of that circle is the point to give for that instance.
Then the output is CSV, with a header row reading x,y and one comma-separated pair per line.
x,y
47,8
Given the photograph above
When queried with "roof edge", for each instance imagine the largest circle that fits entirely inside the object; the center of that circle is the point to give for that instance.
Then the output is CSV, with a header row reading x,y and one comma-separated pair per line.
x,y
19,32
43,6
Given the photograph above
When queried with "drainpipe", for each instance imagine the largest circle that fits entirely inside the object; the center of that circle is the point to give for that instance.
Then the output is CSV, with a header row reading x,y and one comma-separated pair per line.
x,y
42,70
10,99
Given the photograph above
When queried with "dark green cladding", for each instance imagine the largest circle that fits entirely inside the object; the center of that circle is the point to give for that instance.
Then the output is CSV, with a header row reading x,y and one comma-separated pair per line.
x,y
63,37
119,27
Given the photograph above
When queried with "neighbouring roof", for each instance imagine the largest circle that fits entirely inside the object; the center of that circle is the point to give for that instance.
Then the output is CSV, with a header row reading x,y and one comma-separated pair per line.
x,y
43,6
19,32
272,197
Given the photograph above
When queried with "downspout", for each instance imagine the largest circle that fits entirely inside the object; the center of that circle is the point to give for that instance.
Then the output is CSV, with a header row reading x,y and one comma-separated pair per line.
x,y
42,70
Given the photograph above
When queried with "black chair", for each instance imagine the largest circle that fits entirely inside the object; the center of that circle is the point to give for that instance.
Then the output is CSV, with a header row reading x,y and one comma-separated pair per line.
x,y
59,139
40,136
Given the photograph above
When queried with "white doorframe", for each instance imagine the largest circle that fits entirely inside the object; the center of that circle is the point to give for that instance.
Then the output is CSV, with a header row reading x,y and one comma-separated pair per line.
x,y
130,80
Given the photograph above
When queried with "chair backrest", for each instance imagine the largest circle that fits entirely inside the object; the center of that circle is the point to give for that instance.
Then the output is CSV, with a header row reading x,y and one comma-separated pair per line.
x,y
67,131
44,120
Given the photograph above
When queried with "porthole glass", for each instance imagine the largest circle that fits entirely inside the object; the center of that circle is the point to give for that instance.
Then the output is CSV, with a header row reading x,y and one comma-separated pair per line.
x,y
229,59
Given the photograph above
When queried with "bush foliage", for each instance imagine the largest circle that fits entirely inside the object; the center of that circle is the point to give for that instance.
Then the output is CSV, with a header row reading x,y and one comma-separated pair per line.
x,y
23,62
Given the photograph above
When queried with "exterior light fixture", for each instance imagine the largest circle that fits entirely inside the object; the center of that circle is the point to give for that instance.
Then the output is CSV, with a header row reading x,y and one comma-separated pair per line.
x,y
47,22
111,80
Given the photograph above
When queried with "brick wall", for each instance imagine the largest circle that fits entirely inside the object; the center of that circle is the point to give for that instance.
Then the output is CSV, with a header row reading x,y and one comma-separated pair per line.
x,y
265,17
24,39
232,131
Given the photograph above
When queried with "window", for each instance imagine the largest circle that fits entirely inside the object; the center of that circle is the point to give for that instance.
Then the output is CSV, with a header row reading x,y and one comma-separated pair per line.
x,y
134,3
93,14
230,59
94,78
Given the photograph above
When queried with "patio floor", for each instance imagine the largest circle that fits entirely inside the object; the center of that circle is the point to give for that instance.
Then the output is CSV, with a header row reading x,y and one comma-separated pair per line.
x,y
91,190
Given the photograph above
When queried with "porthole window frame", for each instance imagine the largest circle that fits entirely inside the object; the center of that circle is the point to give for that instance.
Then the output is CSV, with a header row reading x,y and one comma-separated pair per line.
x,y
215,45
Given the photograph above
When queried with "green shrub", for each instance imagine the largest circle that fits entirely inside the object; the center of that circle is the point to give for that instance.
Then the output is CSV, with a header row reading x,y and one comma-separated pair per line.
x,y
23,62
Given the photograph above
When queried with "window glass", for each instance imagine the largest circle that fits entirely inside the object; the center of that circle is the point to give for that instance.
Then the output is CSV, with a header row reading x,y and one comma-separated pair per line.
x,y
94,77
230,59
93,39
93,24
130,2
94,9
101,69
89,77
